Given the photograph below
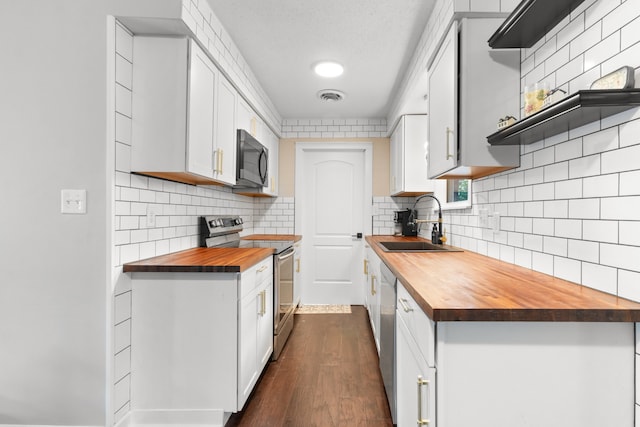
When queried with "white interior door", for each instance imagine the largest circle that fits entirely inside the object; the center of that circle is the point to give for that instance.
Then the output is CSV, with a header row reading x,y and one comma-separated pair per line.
x,y
333,203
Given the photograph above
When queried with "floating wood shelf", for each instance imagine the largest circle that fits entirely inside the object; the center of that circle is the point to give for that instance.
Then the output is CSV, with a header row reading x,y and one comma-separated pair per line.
x,y
575,110
530,21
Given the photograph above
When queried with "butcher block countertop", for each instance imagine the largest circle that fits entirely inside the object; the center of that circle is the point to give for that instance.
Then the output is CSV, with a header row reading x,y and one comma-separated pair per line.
x,y
294,237
202,260
466,286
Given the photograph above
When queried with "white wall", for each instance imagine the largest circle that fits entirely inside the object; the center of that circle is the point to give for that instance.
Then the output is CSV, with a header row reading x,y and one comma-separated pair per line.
x,y
53,297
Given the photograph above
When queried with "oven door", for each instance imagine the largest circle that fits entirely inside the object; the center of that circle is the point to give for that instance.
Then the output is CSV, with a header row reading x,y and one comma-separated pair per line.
x,y
283,289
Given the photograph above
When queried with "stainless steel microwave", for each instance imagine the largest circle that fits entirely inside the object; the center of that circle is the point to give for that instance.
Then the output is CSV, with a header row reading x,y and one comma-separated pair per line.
x,y
252,161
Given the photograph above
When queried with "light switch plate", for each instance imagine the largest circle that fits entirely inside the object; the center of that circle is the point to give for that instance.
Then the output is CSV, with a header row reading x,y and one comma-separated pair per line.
x,y
73,201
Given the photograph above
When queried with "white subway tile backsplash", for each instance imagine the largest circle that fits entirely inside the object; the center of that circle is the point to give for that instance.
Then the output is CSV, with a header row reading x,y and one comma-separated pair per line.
x,y
599,10
621,208
599,142
630,133
534,209
542,262
567,269
524,225
602,51
584,208
122,307
600,186
556,209
590,37
556,172
599,277
571,228
629,183
570,189
630,233
584,166
620,256
629,285
122,336
570,31
543,226
543,191
619,17
571,149
624,159
629,33
555,246
584,250
600,231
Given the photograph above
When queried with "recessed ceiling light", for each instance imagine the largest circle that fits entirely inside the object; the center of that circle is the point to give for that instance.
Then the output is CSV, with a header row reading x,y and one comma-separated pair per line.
x,y
328,69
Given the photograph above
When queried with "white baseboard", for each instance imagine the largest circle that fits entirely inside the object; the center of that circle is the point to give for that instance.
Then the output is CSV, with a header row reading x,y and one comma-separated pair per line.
x,y
174,418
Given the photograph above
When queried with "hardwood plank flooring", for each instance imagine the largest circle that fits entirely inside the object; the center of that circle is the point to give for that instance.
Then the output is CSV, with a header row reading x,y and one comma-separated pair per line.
x,y
327,376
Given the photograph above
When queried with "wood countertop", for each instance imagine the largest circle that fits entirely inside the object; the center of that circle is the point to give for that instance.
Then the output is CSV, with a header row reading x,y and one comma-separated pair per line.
x,y
294,237
466,286
202,260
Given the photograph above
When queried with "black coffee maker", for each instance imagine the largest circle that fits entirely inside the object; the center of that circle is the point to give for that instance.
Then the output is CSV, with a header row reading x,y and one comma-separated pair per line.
x,y
402,225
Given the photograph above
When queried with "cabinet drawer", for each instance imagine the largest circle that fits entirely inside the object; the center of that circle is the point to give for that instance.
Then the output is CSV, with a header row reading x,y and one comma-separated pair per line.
x,y
418,323
255,276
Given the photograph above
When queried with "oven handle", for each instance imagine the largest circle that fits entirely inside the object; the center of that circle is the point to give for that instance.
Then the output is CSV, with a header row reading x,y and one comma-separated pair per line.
x,y
286,254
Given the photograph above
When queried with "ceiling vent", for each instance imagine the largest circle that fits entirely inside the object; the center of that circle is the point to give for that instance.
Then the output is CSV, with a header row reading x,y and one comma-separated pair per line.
x,y
330,95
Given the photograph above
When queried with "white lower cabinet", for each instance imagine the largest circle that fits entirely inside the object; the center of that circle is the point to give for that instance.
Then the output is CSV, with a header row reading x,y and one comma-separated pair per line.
x,y
415,381
372,292
505,374
199,343
255,335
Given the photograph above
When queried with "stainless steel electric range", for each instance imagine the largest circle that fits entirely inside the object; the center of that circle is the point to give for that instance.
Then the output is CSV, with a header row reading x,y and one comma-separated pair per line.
x,y
224,232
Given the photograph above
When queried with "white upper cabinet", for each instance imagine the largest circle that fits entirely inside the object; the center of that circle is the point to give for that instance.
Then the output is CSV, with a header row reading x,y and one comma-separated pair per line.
x,y
471,87
225,132
182,115
408,165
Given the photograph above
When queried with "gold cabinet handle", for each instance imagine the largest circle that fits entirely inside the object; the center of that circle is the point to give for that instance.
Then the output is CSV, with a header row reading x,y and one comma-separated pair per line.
x,y
263,303
214,159
261,269
221,161
373,287
298,265
449,155
421,382
366,266
403,302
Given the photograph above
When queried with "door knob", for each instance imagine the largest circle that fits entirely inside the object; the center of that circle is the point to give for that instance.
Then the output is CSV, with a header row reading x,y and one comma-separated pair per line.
x,y
357,236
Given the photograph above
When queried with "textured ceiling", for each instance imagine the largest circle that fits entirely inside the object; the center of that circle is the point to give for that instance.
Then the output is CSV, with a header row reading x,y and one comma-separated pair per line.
x,y
282,39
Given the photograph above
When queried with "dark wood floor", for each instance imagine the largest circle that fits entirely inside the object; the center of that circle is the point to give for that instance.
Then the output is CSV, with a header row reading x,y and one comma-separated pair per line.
x,y
327,376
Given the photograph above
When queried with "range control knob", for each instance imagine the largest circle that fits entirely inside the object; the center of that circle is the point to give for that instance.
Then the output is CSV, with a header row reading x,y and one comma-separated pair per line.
x,y
213,223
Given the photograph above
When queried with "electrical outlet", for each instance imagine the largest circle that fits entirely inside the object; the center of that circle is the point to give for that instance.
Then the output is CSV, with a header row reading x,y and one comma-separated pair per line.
x,y
496,222
483,215
73,201
152,212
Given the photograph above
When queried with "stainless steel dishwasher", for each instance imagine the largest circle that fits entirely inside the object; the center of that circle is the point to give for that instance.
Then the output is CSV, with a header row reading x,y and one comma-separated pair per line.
x,y
387,335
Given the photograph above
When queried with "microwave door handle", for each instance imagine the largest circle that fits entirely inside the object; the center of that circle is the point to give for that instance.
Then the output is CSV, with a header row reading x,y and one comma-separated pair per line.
x,y
261,159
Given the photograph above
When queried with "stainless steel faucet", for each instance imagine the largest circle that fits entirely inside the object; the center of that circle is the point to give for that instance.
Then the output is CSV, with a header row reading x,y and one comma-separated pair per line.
x,y
414,221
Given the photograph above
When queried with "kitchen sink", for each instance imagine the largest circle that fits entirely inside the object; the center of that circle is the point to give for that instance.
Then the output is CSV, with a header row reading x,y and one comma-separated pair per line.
x,y
420,246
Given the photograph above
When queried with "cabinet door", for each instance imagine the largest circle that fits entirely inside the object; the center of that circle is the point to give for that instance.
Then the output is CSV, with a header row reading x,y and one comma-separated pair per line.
x,y
297,273
274,147
225,161
415,382
265,325
443,130
203,78
245,114
374,295
249,312
396,154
